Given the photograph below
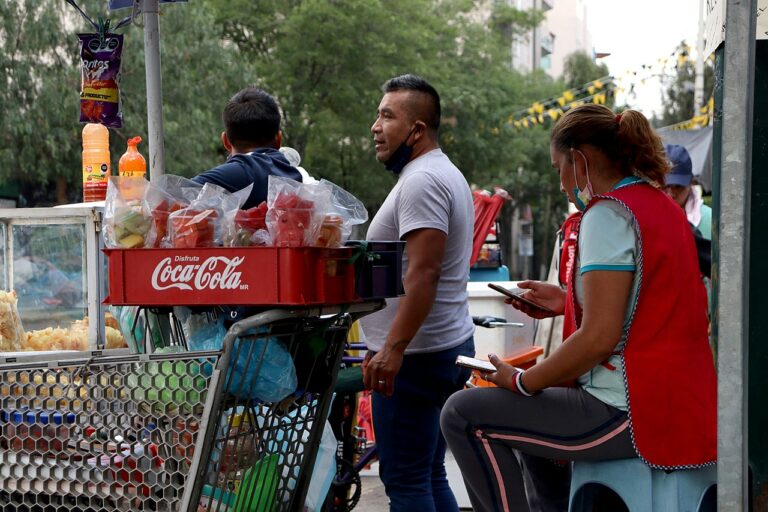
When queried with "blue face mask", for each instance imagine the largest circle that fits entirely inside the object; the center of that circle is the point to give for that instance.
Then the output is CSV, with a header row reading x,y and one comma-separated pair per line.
x,y
401,156
581,197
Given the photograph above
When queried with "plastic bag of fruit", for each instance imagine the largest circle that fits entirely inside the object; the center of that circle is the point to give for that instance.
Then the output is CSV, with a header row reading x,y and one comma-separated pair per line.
x,y
293,218
248,228
317,214
204,222
126,220
167,194
343,210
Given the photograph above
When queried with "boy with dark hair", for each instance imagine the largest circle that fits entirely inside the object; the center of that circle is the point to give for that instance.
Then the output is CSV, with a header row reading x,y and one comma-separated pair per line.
x,y
252,137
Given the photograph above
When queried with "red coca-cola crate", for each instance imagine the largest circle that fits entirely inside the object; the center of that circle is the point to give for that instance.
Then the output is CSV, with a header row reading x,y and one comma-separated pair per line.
x,y
237,275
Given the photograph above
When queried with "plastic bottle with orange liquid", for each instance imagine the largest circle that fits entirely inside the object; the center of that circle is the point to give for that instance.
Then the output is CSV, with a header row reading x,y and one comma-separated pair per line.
x,y
96,166
132,164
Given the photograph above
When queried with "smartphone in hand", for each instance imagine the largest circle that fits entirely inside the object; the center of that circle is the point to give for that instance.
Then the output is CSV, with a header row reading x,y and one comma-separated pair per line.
x,y
475,364
516,295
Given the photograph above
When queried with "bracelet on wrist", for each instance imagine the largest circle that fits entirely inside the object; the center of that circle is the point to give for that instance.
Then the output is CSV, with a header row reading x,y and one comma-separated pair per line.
x,y
519,385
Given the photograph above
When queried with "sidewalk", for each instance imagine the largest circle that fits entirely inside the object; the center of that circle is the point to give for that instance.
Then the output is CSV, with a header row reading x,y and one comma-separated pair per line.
x,y
374,499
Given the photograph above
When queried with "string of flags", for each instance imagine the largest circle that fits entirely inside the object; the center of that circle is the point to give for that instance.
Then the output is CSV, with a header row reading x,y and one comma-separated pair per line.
x,y
663,68
540,112
700,120
599,91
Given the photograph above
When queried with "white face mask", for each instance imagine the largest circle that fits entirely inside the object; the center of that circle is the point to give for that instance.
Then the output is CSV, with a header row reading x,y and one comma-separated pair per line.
x,y
581,196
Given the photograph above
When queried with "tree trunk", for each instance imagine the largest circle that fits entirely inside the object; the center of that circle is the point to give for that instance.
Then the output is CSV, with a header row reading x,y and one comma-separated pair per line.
x,y
61,190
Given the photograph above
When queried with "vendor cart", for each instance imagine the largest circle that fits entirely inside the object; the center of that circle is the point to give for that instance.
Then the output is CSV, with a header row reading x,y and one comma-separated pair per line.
x,y
174,425
178,431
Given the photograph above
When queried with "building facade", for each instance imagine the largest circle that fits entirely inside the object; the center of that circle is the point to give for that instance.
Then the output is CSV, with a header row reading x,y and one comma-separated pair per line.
x,y
563,31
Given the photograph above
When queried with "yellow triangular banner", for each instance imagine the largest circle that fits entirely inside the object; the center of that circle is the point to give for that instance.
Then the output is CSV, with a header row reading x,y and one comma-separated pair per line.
x,y
553,114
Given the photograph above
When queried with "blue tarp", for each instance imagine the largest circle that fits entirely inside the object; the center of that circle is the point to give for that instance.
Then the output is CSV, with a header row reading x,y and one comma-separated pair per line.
x,y
699,146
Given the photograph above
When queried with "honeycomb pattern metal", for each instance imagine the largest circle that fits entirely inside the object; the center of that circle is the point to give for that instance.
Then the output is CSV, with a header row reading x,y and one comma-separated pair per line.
x,y
100,434
171,432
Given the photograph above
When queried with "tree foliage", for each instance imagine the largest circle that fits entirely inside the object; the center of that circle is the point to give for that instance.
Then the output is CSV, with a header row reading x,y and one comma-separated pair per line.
x,y
579,68
39,59
325,62
679,87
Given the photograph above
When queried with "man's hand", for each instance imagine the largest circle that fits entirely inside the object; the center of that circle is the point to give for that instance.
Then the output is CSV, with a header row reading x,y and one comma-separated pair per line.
x,y
379,371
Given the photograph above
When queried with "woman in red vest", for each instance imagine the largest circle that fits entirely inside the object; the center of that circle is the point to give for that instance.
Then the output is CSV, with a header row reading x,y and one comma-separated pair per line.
x,y
636,328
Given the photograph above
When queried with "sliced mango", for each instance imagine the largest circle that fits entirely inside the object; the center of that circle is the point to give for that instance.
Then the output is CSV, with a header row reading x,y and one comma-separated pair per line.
x,y
131,241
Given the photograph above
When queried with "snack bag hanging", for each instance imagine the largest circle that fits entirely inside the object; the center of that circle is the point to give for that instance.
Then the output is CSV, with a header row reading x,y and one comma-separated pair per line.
x,y
100,59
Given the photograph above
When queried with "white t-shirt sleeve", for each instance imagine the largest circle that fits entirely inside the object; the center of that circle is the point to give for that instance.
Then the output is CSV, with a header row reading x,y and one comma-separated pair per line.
x,y
607,240
422,202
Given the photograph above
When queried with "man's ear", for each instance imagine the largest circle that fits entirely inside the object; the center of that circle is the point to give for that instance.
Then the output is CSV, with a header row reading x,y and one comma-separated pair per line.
x,y
279,139
225,141
420,131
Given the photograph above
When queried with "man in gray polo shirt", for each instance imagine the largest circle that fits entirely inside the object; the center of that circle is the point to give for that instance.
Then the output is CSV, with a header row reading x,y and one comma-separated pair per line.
x,y
414,341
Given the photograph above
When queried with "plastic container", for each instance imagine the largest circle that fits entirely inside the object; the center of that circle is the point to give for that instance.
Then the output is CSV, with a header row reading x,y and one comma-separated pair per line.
x,y
241,445
96,167
216,499
524,360
132,164
45,432
379,270
230,275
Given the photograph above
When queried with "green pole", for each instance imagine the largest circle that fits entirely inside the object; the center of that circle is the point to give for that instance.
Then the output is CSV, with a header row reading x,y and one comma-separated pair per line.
x,y
758,289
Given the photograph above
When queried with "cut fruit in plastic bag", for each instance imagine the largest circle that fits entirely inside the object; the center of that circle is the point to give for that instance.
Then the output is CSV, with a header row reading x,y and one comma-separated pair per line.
x,y
126,220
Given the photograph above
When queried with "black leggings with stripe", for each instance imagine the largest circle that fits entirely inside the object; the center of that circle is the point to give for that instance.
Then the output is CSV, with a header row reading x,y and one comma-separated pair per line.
x,y
489,430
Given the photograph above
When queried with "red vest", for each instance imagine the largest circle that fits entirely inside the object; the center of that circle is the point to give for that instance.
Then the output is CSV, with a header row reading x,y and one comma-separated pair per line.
x,y
669,369
570,234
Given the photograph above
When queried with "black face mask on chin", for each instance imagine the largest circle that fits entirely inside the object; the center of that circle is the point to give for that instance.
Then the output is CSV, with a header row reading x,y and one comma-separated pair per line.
x,y
400,157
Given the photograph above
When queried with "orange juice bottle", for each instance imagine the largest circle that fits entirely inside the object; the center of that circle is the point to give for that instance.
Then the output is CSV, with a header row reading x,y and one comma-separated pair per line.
x,y
96,168
132,164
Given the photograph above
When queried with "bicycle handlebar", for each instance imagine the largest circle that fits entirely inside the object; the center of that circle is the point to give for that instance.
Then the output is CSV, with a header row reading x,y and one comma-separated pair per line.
x,y
490,322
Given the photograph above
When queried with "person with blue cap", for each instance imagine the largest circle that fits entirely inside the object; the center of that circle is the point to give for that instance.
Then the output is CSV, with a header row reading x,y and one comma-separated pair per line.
x,y
679,187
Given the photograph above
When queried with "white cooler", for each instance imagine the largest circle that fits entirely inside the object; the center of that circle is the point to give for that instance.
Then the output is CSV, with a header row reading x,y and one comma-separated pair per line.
x,y
502,341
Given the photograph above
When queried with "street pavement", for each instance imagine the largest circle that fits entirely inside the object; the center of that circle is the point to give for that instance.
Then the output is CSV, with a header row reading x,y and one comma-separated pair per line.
x,y
374,499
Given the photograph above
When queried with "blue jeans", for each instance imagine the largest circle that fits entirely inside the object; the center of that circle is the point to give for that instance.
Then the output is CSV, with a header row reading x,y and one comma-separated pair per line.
x,y
407,424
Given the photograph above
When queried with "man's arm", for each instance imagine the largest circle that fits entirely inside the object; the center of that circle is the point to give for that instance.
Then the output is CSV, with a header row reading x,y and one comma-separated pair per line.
x,y
426,249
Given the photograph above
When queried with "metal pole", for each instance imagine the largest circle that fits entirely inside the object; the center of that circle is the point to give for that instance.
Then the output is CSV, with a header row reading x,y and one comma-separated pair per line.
x,y
151,12
732,272
698,90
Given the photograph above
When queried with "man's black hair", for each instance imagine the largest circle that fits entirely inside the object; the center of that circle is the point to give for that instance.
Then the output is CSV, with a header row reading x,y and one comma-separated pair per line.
x,y
418,84
251,118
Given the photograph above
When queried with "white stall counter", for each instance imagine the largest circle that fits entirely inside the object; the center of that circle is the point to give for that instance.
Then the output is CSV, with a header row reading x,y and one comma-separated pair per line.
x,y
502,341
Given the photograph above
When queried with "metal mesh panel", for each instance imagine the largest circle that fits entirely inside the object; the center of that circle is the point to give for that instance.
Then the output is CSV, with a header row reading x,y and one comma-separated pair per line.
x,y
260,453
100,434
191,431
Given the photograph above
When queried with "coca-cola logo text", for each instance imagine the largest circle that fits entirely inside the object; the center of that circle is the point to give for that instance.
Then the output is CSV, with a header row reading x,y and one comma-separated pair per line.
x,y
215,273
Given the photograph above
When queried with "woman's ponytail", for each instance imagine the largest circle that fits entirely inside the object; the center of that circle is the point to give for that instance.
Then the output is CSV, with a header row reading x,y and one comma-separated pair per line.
x,y
640,149
626,139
